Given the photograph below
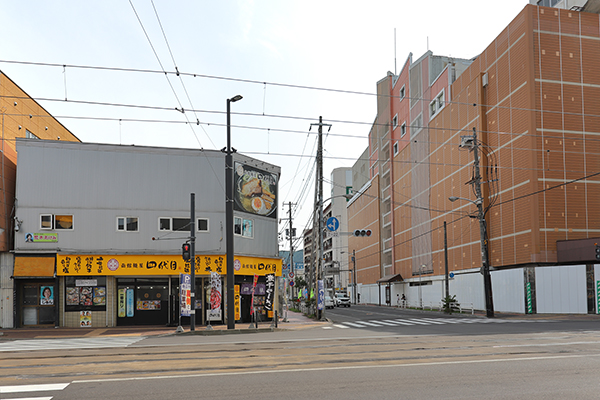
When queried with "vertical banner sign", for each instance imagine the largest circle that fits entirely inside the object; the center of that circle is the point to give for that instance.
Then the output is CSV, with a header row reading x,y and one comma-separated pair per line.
x,y
320,295
214,314
121,305
529,303
185,299
85,319
236,300
598,294
254,282
270,290
129,303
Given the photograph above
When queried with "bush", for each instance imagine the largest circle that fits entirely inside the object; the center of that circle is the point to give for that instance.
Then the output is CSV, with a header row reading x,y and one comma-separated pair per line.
x,y
450,304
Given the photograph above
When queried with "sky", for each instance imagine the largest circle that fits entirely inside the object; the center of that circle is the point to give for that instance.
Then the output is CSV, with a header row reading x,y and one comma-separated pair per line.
x,y
292,61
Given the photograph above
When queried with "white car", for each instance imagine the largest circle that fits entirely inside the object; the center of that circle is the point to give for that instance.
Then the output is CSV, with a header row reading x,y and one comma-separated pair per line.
x,y
329,303
342,300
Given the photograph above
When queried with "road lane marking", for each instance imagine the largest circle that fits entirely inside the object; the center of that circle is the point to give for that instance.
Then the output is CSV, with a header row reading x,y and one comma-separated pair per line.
x,y
338,368
33,388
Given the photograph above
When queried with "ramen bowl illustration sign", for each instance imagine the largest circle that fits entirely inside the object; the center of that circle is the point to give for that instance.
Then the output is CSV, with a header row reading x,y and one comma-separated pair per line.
x,y
255,190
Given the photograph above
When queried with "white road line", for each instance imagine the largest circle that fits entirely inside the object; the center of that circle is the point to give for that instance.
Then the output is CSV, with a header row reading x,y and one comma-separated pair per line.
x,y
402,322
444,320
385,323
368,323
429,322
340,326
414,321
33,388
396,323
76,343
354,325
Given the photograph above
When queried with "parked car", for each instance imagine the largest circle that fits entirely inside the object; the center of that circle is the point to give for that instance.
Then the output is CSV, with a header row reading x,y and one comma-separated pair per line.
x,y
342,300
329,302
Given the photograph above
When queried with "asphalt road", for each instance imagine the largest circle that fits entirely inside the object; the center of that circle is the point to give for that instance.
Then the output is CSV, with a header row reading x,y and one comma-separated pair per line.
x,y
453,360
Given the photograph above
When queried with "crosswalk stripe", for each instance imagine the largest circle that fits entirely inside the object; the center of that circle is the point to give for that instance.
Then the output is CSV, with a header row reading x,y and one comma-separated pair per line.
x,y
33,388
368,323
72,343
429,322
391,321
444,320
340,326
354,325
413,321
384,323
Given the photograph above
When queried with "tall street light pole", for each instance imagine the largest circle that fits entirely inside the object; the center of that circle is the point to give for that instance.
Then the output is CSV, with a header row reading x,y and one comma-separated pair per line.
x,y
229,217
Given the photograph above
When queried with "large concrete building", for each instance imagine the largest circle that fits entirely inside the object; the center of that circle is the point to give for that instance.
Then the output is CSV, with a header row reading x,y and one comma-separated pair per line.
x,y
532,99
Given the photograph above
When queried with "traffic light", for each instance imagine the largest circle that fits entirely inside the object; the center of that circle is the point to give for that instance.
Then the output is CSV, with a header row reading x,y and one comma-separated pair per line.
x,y
185,252
597,251
362,232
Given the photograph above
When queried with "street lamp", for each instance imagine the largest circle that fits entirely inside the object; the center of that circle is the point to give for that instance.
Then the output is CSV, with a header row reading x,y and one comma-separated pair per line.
x,y
485,266
229,217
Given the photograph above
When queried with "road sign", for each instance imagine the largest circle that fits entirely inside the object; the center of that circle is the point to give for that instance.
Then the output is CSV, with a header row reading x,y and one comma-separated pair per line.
x,y
451,274
291,283
333,224
291,275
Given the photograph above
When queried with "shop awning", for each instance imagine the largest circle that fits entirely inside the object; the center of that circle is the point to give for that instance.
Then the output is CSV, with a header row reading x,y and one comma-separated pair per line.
x,y
390,278
33,267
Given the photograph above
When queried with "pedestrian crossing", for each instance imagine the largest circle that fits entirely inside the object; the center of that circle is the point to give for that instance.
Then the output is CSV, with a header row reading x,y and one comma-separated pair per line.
x,y
42,392
69,343
421,322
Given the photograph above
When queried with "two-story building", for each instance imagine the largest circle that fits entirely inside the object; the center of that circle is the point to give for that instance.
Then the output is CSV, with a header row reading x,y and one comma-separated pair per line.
x,y
101,229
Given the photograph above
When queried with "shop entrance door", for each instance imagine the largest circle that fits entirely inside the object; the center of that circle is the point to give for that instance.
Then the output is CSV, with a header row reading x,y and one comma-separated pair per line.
x,y
142,301
37,301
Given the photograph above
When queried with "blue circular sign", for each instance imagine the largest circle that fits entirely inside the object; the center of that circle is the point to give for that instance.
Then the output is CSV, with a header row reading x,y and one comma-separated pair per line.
x,y
333,224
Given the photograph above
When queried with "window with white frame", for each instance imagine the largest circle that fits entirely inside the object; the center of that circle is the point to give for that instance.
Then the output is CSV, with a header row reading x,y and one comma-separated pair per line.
x,y
173,224
395,121
416,125
396,150
243,227
402,92
202,225
127,224
58,222
403,129
437,104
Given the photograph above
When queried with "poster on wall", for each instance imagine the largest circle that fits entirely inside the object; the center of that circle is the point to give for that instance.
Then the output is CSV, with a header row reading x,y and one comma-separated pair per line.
x,y
46,295
255,190
214,313
72,296
121,303
270,291
85,319
100,296
129,303
185,299
85,296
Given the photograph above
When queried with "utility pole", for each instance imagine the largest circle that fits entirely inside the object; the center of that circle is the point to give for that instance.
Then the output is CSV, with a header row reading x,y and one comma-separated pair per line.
x,y
291,259
446,261
193,261
485,266
319,191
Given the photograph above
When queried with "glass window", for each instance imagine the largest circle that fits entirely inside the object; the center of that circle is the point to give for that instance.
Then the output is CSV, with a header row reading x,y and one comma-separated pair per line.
x,y
63,222
247,228
237,226
128,224
403,129
181,224
164,224
203,224
46,221
396,148
402,92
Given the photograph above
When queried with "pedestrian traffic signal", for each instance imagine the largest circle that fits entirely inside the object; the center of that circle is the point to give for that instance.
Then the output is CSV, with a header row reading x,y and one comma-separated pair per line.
x,y
362,232
185,252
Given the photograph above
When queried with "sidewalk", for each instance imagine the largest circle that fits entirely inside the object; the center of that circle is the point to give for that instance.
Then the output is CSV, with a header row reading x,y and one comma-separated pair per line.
x,y
295,321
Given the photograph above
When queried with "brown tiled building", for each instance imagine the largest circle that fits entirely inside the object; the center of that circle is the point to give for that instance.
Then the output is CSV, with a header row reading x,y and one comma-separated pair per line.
x,y
533,98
